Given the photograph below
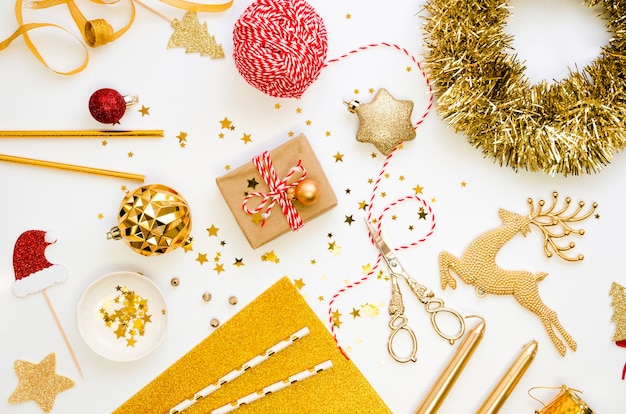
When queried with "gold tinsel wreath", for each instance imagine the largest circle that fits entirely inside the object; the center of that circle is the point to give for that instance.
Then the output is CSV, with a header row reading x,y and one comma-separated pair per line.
x,y
569,127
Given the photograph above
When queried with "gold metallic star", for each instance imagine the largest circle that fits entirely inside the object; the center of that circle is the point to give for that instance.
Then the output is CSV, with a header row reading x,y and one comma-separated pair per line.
x,y
349,219
299,283
130,154
277,106
182,136
308,122
338,157
320,298
257,218
422,213
39,383
238,262
463,184
219,268
384,121
355,313
144,111
202,258
362,205
212,230
367,269
336,318
104,142
418,189
100,216
226,124
252,183
188,246
246,138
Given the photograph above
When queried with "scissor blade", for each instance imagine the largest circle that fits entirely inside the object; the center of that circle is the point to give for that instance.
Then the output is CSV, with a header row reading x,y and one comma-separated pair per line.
x,y
380,241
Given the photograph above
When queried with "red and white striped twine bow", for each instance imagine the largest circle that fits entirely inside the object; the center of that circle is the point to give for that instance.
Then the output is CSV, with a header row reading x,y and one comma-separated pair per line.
x,y
277,191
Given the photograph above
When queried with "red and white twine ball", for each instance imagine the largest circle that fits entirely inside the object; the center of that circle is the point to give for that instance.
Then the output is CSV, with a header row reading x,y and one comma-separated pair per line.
x,y
279,46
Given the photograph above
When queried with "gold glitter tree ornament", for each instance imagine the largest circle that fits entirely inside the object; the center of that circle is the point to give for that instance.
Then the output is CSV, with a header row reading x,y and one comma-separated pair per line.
x,y
477,265
39,383
152,220
384,121
570,127
618,302
194,37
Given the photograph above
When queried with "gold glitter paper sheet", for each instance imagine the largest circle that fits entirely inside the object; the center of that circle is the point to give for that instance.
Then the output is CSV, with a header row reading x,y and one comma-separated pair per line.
x,y
270,318
235,185
618,302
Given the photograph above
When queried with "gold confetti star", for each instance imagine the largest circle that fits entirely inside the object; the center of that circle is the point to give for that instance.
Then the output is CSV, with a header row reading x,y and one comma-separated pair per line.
x,y
362,205
182,136
409,69
270,257
219,268
348,16
252,183
418,189
144,111
327,133
299,284
349,219
277,106
370,310
212,230
313,262
104,142
257,218
130,154
308,122
355,313
463,184
370,91
356,91
320,298
227,167
226,124
366,269
336,318
385,122
334,248
298,110
338,157
201,258
422,213
188,246
291,134
238,262
100,216
39,383
246,138
221,135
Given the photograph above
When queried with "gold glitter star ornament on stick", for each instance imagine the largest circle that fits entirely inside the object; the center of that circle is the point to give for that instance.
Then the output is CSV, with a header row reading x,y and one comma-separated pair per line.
x,y
39,383
384,121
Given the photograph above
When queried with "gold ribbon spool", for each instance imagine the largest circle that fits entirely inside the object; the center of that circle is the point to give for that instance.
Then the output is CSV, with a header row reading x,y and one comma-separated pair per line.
x,y
567,401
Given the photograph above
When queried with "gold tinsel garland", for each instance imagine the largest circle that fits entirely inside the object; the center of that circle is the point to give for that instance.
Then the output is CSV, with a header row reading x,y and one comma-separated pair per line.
x,y
569,127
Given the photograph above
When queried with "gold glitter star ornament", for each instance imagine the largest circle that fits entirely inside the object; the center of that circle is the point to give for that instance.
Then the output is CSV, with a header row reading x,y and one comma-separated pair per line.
x,y
39,383
154,219
384,121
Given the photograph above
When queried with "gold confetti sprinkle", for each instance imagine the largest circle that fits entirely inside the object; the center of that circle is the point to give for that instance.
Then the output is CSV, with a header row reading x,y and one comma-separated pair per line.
x,y
128,320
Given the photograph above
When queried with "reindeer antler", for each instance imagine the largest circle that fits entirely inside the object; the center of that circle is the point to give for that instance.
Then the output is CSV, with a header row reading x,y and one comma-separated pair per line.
x,y
545,220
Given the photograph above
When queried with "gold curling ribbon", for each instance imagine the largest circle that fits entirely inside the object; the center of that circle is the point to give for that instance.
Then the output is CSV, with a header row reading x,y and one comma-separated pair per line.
x,y
197,7
96,32
23,30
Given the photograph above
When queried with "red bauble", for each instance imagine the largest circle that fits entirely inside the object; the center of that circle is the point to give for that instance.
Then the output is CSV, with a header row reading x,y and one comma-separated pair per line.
x,y
107,106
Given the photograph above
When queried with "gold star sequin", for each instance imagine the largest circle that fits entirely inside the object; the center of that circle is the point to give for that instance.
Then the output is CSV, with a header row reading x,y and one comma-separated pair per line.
x,y
144,111
39,383
238,262
418,189
202,258
355,313
226,123
338,157
384,121
212,230
270,257
219,268
126,314
246,138
299,283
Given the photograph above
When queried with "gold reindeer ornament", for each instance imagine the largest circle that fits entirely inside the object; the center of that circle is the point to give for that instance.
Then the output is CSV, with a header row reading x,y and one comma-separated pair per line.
x,y
477,265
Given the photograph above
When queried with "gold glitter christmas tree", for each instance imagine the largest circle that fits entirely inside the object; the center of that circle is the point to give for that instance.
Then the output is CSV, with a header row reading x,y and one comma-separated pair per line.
x,y
618,302
194,37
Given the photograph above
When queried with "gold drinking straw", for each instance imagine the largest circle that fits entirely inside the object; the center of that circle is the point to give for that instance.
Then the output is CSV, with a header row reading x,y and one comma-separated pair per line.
x,y
83,133
71,167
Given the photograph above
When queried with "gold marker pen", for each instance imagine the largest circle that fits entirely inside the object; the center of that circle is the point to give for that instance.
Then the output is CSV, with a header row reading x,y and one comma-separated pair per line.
x,y
506,384
438,392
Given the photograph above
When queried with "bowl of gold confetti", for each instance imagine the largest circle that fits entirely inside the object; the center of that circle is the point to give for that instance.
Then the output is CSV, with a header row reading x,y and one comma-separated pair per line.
x,y
122,316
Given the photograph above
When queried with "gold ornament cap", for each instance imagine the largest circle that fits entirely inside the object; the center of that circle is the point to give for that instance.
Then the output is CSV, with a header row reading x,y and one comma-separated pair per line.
x,y
152,220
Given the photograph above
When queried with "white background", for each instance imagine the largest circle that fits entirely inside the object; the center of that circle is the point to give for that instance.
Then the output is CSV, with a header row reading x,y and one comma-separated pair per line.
x,y
186,92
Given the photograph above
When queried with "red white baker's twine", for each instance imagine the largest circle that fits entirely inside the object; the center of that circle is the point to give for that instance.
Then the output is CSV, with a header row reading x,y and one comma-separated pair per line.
x,y
277,191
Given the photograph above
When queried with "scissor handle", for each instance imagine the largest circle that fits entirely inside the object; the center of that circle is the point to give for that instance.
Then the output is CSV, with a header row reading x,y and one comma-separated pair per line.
x,y
435,307
397,324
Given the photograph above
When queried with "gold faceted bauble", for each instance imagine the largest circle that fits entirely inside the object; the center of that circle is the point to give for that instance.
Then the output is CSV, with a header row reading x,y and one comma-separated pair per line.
x,y
152,220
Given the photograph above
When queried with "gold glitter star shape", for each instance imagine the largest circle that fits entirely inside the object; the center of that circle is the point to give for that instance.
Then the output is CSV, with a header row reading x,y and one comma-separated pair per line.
x,y
422,213
338,157
290,134
299,283
257,218
144,111
320,298
201,258
385,122
212,230
246,138
226,123
39,383
308,122
418,189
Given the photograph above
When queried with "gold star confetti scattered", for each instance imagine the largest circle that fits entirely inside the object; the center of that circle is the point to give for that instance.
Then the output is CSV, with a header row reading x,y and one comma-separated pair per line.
x,y
227,167
226,124
418,189
212,230
338,157
277,106
370,310
370,91
39,383
298,110
394,217
334,248
221,135
290,134
299,284
409,69
270,257
104,142
422,213
182,137
252,183
144,111
320,298
362,205
100,216
384,121
349,219
597,216
336,316
219,268
257,218
201,258
401,178
355,313
313,262
463,184
238,262
308,122
130,154
366,269
126,314
356,91
348,16
246,138
327,133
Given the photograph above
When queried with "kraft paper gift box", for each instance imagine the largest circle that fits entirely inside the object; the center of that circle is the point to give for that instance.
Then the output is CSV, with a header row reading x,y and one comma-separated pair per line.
x,y
234,188
272,317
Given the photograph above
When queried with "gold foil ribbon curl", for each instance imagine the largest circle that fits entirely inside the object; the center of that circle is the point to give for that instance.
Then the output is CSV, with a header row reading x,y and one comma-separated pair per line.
x,y
95,32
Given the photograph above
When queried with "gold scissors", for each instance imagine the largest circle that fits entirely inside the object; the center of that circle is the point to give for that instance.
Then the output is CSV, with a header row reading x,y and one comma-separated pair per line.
x,y
433,305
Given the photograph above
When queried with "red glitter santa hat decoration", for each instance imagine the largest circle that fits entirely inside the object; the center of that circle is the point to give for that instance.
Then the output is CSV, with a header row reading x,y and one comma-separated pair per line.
x,y
33,272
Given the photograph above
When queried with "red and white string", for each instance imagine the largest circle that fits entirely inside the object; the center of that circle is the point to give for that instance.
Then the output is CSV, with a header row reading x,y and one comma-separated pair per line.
x,y
277,193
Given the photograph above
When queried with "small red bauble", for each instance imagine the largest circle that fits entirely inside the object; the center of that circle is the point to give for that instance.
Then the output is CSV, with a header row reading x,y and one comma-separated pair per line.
x,y
108,105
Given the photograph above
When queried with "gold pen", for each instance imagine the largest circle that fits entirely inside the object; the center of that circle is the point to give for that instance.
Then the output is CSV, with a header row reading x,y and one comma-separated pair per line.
x,y
505,386
438,392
